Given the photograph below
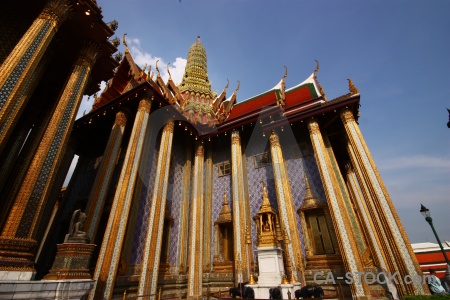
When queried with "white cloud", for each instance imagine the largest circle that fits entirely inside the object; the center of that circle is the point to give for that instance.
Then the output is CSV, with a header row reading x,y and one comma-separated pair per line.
x,y
141,57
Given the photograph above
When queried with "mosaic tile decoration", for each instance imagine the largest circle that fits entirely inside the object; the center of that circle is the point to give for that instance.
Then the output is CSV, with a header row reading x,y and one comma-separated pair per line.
x,y
12,80
222,153
51,156
255,178
144,207
175,197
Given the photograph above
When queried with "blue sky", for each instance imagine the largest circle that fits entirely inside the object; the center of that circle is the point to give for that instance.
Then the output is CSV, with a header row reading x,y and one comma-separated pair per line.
x,y
396,52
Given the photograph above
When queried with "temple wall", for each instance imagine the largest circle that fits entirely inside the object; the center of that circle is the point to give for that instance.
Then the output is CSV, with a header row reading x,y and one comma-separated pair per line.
x,y
221,153
175,197
140,216
255,176
300,159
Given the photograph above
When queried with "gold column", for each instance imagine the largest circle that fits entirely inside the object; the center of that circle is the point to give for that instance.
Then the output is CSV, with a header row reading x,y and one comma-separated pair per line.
x,y
195,272
18,71
359,238
184,212
365,220
104,175
390,222
240,215
26,212
109,256
17,175
373,217
346,240
207,264
286,209
152,251
12,147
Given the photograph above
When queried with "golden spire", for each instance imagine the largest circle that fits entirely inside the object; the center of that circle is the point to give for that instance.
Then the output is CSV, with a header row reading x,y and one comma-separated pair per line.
x,y
195,78
225,214
311,200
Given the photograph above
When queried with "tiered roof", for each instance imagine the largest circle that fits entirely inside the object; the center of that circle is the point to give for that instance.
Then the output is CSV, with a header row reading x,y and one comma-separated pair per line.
x,y
194,98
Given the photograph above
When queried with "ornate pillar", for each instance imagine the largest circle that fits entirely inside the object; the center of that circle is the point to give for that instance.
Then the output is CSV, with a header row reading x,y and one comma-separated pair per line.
x,y
152,250
19,69
373,235
195,272
104,175
286,209
391,224
375,219
207,263
346,240
240,214
109,256
11,148
26,212
184,212
358,235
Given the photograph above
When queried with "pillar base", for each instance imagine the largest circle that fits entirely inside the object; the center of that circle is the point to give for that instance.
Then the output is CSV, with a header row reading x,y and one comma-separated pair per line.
x,y
62,289
17,255
71,262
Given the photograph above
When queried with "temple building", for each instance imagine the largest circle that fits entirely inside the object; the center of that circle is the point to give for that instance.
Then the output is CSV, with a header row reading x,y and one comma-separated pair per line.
x,y
177,188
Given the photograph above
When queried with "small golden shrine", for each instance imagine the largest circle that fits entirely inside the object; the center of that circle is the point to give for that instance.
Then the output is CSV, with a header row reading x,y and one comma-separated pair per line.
x,y
266,222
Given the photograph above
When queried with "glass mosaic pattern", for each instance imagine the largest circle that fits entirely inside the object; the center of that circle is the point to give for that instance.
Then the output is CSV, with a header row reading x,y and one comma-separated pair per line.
x,y
16,74
175,197
144,207
44,174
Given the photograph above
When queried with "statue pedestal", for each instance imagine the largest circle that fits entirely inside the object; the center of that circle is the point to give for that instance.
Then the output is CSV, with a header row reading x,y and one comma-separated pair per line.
x,y
270,262
271,270
71,262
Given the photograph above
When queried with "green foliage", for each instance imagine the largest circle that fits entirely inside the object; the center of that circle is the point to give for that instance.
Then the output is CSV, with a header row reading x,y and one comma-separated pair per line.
x,y
432,297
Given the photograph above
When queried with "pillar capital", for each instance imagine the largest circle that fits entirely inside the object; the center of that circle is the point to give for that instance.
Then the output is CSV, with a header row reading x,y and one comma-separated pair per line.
x,y
347,115
274,140
199,149
89,53
313,126
235,138
121,119
144,105
57,11
169,127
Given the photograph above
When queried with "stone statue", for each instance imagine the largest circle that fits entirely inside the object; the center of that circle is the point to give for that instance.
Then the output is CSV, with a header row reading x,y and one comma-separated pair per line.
x,y
76,233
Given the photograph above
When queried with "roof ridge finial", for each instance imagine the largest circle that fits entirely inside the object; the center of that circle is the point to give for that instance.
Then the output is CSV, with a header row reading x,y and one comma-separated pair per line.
x,y
168,71
285,73
157,69
124,41
198,39
317,81
238,87
352,88
317,69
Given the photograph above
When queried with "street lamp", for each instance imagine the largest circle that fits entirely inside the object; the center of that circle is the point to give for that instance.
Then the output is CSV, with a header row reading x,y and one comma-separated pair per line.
x,y
426,213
